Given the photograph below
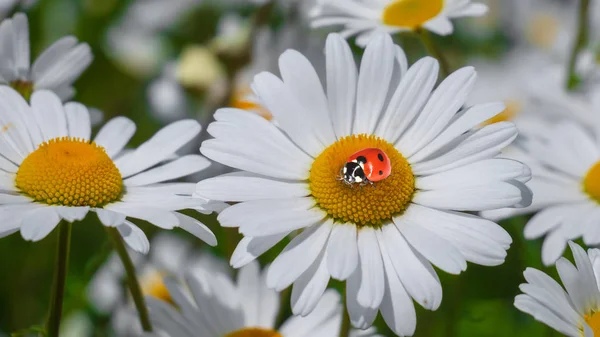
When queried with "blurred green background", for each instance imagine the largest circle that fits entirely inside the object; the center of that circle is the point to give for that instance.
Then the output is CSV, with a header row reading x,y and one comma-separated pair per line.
x,y
477,303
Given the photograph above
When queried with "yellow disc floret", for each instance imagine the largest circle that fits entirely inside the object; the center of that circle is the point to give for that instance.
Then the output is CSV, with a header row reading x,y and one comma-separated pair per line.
x,y
152,284
593,320
70,172
411,13
368,205
513,107
591,182
254,332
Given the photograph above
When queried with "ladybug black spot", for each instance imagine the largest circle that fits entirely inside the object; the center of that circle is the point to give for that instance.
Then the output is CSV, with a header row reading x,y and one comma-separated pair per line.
x,y
361,159
380,173
380,157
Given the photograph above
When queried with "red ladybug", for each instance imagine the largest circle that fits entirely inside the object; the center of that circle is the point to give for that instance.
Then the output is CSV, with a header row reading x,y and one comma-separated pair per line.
x,y
366,166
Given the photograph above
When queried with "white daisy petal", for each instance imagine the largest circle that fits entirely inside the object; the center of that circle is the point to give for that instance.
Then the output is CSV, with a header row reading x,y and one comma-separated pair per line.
x,y
267,217
417,276
301,78
545,315
254,134
249,248
373,84
341,84
38,223
445,101
310,286
409,98
110,218
115,134
72,214
178,168
78,121
163,144
298,256
48,110
342,251
371,290
237,189
196,228
134,237
361,317
21,41
66,69
494,195
49,56
440,25
434,248
158,217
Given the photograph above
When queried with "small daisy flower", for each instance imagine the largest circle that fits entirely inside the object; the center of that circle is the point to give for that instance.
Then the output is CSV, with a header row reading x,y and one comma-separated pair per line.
x,y
55,69
383,236
212,305
565,180
364,18
171,256
574,312
52,171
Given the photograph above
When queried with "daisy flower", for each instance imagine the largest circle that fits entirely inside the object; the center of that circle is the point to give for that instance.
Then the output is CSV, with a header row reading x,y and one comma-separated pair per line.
x,y
565,179
55,69
171,256
574,312
53,171
212,305
381,237
364,18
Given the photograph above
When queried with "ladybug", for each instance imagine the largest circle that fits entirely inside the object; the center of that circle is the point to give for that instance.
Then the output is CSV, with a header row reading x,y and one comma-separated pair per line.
x,y
366,167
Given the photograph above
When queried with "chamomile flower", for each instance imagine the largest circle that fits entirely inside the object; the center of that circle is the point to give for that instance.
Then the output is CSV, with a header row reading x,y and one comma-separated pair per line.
x,y
52,171
171,256
574,312
565,181
55,69
381,237
212,305
367,17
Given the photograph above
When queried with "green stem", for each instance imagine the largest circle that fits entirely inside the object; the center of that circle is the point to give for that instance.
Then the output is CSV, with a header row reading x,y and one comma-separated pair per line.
x,y
345,328
132,282
435,51
580,43
60,276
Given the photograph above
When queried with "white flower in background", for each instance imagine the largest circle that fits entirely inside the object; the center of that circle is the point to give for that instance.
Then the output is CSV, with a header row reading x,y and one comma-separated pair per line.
x,y
365,18
383,238
55,69
51,170
574,312
76,324
167,98
212,305
565,165
171,256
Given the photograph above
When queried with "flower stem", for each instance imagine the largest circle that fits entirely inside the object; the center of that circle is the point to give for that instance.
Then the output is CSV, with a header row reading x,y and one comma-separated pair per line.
x,y
581,41
434,51
132,282
60,276
345,327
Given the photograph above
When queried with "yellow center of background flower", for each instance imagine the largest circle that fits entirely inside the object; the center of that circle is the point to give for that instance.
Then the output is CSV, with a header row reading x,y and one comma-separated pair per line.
x,y
153,285
591,182
240,100
542,30
593,321
411,13
70,172
254,332
513,108
24,88
368,205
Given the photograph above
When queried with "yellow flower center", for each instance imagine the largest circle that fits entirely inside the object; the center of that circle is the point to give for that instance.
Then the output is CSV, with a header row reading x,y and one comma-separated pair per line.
x,y
24,88
513,108
543,30
411,13
591,182
593,321
70,172
362,205
254,332
153,285
240,100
